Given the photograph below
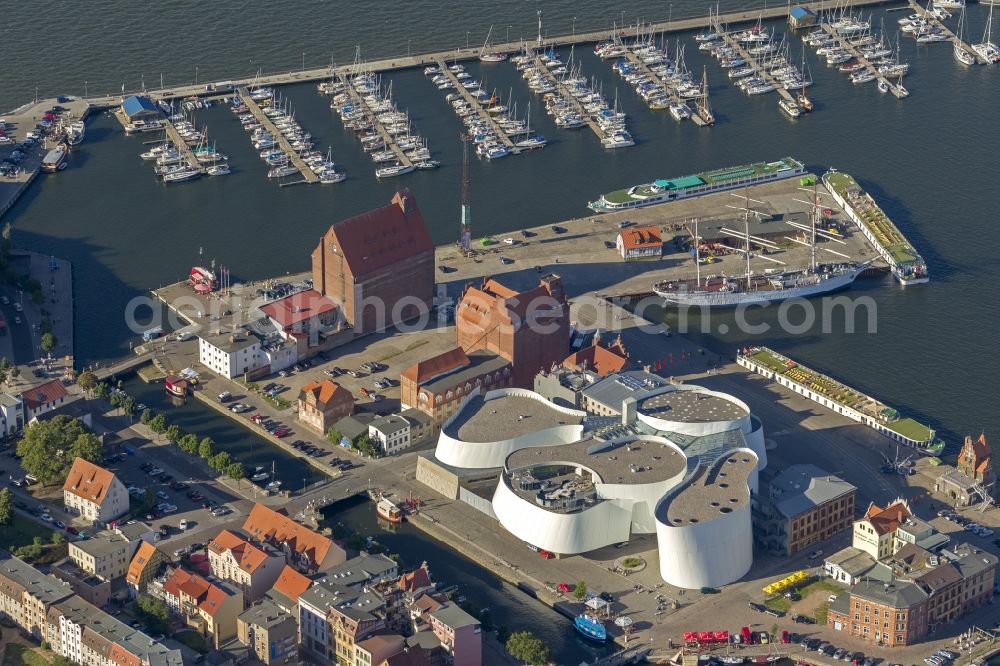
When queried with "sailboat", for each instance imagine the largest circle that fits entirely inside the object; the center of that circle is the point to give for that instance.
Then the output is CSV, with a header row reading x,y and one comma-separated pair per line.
x,y
987,50
962,54
805,104
701,107
771,286
487,54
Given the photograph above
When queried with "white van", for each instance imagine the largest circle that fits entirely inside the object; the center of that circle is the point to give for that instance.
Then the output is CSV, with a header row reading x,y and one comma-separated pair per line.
x,y
183,525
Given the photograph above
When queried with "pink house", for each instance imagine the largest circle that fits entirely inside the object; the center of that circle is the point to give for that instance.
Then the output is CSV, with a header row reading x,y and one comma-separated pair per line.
x,y
459,633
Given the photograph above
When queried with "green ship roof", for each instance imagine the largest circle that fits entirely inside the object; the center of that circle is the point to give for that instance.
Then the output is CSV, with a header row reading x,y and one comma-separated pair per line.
x,y
680,183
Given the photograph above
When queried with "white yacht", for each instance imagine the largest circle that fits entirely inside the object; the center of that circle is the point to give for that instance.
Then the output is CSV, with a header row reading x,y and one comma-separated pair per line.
x,y
618,140
394,170
790,108
218,170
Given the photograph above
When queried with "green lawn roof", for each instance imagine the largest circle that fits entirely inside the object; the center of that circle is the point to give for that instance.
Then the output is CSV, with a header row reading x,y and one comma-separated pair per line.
x,y
911,429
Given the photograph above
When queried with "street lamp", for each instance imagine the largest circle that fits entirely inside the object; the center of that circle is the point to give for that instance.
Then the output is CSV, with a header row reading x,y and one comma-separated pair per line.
x,y
196,75
466,44
303,61
574,26
508,34
408,47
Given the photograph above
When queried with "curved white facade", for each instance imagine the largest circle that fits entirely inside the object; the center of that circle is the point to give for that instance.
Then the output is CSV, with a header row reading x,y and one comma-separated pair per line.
x,y
486,455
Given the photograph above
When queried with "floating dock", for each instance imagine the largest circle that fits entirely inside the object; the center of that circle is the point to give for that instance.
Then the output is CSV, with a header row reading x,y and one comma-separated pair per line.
x,y
752,61
566,94
359,101
841,398
175,138
905,262
478,108
842,42
308,174
668,88
952,37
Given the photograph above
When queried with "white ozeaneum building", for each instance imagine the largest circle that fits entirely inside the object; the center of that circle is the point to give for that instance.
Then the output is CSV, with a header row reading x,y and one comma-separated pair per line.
x,y
680,461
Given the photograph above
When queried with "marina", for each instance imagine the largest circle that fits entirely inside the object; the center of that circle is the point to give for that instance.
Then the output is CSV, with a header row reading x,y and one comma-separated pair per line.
x,y
570,109
841,398
933,25
659,88
277,137
180,144
471,97
352,104
846,50
764,81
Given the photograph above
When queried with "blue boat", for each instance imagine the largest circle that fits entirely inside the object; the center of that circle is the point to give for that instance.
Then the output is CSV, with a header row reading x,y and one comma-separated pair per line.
x,y
591,627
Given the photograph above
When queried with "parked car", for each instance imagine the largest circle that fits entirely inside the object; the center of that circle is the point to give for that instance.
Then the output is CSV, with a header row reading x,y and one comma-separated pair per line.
x,y
183,525
760,608
816,554
774,612
799,618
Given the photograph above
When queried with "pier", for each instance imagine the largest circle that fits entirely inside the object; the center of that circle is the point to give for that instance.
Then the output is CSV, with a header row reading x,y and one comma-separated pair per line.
x,y
566,94
175,138
308,174
952,37
752,61
359,101
480,111
845,44
663,83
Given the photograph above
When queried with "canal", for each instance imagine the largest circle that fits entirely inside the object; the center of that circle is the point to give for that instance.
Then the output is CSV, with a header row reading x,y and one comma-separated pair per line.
x,y
242,443
508,606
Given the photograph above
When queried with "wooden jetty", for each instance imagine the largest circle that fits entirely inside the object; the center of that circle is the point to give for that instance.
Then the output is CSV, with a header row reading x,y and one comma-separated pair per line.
x,y
668,88
359,101
752,61
564,92
182,145
845,44
480,111
952,37
307,174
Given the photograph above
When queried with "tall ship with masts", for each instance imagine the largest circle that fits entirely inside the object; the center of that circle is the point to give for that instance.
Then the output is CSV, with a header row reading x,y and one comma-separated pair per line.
x,y
757,288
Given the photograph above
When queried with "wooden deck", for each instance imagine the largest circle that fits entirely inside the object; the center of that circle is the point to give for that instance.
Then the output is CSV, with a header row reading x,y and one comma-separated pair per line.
x,y
308,174
480,111
182,145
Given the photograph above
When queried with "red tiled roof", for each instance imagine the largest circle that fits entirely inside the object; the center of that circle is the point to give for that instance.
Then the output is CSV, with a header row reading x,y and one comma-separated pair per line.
x,y
50,391
298,307
600,359
415,580
291,583
173,584
248,556
214,598
640,237
325,391
888,519
139,562
264,523
437,365
512,306
88,481
381,237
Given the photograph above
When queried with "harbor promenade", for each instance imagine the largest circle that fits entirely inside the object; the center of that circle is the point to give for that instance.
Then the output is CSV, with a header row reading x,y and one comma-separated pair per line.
x,y
843,43
388,139
668,87
307,174
480,111
952,37
401,62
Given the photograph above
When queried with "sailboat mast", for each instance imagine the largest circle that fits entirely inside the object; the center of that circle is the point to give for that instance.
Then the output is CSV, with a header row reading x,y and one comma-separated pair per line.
x,y
697,254
815,214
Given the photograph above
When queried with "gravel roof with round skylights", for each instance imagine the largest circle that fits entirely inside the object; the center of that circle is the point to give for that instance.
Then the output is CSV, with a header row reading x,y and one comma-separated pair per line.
x,y
717,490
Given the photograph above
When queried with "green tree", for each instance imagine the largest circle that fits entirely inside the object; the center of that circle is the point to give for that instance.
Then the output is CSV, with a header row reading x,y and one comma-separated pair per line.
x,y
87,381
206,447
333,435
173,433
189,443
581,590
102,390
6,506
128,405
153,612
58,538
236,472
15,372
158,424
363,443
48,342
148,499
528,648
49,448
220,461
146,416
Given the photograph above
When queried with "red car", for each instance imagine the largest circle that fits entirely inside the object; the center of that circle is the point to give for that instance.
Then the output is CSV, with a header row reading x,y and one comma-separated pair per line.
x,y
72,530
785,638
282,432
565,587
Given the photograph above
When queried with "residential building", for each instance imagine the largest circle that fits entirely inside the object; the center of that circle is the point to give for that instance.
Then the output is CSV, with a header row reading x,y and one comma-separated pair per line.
x,y
323,403
438,385
42,398
875,533
849,565
230,355
270,632
94,493
106,555
251,569
316,635
528,328
390,433
919,533
639,243
209,608
377,648
412,655
144,566
378,266
359,614
303,549
288,588
927,591
459,634
599,359
11,415
26,594
89,587
803,506
363,570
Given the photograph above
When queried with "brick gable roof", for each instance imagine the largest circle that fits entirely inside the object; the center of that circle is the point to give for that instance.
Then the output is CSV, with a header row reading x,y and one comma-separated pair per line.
x,y
50,391
640,237
437,365
266,524
88,481
248,556
325,391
